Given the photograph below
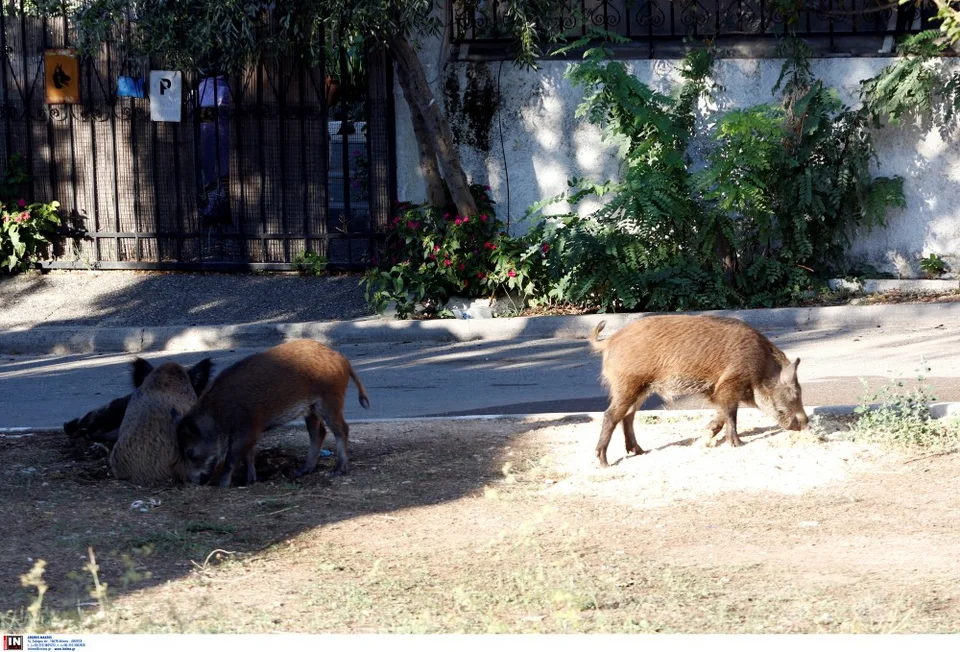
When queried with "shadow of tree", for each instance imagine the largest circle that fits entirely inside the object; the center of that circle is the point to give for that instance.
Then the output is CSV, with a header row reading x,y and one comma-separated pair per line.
x,y
61,502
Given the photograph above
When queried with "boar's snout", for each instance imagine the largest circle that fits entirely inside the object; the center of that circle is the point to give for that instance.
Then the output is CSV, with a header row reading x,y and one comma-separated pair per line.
x,y
799,422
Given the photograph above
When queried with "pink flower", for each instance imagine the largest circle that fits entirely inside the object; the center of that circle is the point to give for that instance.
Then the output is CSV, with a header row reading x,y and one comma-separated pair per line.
x,y
446,216
545,248
413,226
21,203
436,247
466,283
457,221
461,266
481,275
483,218
511,273
465,219
446,261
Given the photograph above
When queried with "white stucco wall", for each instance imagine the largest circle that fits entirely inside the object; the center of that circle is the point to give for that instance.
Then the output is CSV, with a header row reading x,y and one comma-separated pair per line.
x,y
544,145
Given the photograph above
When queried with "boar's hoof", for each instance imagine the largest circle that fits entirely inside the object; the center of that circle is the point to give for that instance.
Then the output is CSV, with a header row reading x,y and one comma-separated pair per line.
x,y
710,439
635,450
734,441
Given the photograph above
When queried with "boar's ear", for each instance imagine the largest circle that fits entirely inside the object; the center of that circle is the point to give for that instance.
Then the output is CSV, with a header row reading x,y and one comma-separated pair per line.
x,y
200,374
788,375
141,369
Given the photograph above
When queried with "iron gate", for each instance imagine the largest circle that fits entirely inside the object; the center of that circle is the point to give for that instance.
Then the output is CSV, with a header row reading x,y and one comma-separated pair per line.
x,y
282,159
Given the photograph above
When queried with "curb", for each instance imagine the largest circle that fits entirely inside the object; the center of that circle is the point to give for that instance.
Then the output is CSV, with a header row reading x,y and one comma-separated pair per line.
x,y
939,411
66,340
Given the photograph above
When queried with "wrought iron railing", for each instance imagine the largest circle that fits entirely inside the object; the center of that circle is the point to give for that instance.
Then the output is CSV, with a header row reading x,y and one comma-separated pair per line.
x,y
481,21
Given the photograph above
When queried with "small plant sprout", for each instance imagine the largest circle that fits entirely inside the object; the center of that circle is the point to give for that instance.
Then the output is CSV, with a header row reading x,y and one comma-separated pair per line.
x,y
933,265
34,578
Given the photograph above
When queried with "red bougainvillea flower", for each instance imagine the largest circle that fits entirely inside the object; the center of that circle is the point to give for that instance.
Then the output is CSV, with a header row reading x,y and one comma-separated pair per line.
x,y
457,221
436,247
466,283
461,266
446,261
545,248
511,273
413,226
484,218
446,216
466,219
21,203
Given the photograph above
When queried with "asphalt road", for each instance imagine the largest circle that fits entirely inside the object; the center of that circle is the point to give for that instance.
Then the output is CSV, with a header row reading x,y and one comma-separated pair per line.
x,y
516,377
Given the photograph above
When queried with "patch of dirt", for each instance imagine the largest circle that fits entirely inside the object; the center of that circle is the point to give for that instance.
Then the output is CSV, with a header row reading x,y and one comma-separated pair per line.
x,y
501,526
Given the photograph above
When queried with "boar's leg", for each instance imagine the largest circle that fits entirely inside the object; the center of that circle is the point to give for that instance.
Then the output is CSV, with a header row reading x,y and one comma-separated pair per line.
x,y
710,438
726,396
732,437
629,436
317,434
250,460
332,413
234,455
620,405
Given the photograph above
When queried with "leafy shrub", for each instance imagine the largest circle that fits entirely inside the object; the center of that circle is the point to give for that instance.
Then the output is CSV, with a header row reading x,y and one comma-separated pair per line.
x,y
647,246
25,229
310,263
903,417
765,221
933,265
792,181
432,254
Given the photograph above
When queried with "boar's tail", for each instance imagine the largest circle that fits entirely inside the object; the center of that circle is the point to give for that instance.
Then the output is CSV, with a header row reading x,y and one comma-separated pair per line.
x,y
364,401
594,342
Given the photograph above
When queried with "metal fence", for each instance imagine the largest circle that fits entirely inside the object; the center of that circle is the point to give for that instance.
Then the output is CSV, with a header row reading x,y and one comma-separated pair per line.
x,y
658,21
262,166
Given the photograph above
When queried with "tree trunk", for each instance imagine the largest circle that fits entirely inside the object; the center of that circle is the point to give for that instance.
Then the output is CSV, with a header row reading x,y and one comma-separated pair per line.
x,y
428,155
726,255
437,128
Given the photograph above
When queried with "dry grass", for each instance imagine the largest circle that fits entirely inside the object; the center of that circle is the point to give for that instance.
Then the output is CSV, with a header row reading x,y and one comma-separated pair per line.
x,y
497,526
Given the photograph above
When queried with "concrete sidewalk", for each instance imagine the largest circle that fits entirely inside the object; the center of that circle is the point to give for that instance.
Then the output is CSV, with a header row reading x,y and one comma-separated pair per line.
x,y
135,312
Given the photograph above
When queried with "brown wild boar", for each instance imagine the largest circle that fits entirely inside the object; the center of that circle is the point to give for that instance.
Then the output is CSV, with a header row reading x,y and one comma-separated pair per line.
x,y
723,359
146,451
297,379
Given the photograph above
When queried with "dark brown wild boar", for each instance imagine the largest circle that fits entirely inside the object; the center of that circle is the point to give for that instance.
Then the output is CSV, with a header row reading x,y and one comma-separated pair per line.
x,y
297,379
146,451
101,424
723,359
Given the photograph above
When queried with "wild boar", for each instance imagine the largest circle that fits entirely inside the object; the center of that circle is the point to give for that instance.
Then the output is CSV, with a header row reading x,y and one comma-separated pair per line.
x,y
101,424
297,379
146,451
723,359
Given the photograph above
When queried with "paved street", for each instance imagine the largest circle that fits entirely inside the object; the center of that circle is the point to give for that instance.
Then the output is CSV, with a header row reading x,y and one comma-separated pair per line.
x,y
521,376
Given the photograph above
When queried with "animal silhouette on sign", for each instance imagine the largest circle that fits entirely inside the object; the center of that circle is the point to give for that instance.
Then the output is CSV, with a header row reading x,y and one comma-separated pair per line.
x,y
60,78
